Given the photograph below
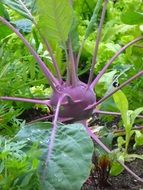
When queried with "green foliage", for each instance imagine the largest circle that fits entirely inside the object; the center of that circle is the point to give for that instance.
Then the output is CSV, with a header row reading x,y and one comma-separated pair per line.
x,y
132,17
3,11
4,31
116,169
55,18
72,151
105,84
122,104
17,168
138,138
22,7
9,123
128,117
116,34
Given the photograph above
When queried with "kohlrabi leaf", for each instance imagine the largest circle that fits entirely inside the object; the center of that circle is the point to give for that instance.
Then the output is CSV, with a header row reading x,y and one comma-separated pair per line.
x,y
122,104
132,17
22,7
55,19
70,162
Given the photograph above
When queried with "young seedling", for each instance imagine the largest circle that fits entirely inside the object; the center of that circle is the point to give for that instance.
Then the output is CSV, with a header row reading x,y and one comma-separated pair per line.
x,y
72,100
128,117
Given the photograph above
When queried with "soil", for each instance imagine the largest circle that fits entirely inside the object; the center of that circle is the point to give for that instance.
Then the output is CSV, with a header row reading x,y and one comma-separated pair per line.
x,y
124,181
33,115
100,179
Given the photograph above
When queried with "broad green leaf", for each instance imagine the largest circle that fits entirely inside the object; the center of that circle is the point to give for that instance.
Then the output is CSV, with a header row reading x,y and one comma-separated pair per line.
x,y
55,19
94,19
135,113
122,104
132,17
22,7
71,158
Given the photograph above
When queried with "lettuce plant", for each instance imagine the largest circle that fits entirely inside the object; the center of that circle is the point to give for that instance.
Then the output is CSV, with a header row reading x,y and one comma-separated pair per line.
x,y
72,100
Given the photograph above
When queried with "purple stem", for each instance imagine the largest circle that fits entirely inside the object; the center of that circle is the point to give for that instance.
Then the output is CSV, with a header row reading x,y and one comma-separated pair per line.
x,y
51,79
51,116
54,129
34,101
72,69
51,54
96,11
42,118
111,113
112,59
52,137
95,138
118,88
94,60
79,53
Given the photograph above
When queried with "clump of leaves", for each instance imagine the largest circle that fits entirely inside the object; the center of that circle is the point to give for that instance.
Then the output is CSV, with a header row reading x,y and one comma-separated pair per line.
x,y
17,167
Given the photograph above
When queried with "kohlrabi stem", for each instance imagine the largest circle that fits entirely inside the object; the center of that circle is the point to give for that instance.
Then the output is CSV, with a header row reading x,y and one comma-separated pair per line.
x,y
118,88
94,60
96,139
51,79
54,129
58,74
34,101
41,118
72,69
96,11
111,113
93,84
79,54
